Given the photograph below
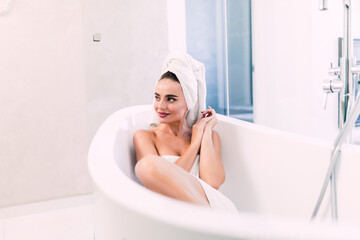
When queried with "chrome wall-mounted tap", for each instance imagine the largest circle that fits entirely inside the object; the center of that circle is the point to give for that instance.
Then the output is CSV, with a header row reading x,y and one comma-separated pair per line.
x,y
333,84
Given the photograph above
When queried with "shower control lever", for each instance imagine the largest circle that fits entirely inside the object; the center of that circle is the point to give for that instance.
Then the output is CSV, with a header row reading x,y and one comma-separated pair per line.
x,y
333,85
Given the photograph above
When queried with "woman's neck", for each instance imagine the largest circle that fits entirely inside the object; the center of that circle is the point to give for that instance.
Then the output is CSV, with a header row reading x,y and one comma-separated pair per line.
x,y
177,128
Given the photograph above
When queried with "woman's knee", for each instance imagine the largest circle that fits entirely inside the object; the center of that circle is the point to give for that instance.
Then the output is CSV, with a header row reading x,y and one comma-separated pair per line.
x,y
146,169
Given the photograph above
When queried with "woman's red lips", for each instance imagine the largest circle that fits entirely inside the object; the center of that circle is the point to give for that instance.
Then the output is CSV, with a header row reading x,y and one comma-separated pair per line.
x,y
162,114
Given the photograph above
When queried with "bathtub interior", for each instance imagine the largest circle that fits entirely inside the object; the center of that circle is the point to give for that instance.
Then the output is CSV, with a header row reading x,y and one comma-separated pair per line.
x,y
267,171
124,152
237,152
278,173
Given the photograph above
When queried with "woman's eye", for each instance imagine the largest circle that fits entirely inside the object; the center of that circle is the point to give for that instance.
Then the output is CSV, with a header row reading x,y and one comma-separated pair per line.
x,y
171,99
157,98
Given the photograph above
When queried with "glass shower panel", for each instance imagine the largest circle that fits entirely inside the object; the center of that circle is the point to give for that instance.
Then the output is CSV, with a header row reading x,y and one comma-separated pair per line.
x,y
239,58
205,42
218,33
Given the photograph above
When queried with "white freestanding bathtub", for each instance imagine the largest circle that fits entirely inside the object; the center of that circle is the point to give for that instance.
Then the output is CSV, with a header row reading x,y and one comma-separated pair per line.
x,y
273,177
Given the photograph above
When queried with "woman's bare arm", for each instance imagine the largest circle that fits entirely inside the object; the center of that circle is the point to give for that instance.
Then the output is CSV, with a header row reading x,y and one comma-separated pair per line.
x,y
144,144
211,167
186,161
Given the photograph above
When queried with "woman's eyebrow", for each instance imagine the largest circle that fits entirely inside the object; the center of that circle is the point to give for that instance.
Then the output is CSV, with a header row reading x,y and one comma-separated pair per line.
x,y
169,95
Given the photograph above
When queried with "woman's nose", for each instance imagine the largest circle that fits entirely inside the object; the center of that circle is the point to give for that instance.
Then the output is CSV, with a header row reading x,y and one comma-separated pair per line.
x,y
162,104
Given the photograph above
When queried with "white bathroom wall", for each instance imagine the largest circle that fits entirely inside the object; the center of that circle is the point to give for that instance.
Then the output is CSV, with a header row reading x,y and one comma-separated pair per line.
x,y
176,18
42,100
293,45
121,69
57,86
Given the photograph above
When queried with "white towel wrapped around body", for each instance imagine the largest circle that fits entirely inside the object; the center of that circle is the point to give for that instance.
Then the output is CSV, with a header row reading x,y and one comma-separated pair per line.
x,y
191,75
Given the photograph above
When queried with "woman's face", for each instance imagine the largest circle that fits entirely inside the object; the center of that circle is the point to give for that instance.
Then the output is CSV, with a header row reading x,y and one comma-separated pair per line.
x,y
170,103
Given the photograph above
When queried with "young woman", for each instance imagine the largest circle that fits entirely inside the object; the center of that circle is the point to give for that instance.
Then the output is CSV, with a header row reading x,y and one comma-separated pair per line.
x,y
175,160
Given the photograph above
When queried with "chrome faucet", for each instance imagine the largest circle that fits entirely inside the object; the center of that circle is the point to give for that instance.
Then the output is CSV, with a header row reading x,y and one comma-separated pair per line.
x,y
342,82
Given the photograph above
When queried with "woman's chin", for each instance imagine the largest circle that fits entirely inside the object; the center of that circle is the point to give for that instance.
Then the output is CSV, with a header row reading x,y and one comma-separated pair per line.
x,y
167,120
163,120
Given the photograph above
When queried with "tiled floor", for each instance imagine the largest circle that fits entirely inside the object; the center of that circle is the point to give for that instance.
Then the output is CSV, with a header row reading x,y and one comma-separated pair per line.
x,y
64,219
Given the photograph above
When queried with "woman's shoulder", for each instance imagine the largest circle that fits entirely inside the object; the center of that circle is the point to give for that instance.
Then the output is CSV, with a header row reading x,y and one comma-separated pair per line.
x,y
144,133
143,138
144,143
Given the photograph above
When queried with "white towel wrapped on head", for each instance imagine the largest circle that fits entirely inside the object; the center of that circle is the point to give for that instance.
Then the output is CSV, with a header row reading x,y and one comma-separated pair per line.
x,y
191,75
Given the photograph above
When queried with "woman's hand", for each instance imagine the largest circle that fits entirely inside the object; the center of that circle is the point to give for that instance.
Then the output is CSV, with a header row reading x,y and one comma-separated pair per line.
x,y
198,130
210,114
207,121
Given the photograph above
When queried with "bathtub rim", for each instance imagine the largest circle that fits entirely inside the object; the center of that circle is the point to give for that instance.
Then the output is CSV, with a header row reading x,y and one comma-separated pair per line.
x,y
203,219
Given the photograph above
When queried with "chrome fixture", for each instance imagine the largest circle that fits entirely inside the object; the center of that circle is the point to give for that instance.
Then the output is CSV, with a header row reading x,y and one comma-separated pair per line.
x,y
342,82
323,5
333,84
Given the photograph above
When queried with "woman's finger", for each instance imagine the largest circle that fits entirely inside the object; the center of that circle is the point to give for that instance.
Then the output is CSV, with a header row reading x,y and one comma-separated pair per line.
x,y
207,113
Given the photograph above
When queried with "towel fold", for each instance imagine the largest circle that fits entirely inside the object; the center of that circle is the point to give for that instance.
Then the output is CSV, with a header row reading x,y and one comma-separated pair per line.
x,y
191,75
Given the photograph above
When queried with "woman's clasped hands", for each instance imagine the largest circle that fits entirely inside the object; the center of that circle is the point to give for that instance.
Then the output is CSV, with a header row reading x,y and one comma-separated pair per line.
x,y
207,121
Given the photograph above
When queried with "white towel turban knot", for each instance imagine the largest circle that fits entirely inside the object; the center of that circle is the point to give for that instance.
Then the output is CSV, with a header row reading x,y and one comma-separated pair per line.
x,y
191,75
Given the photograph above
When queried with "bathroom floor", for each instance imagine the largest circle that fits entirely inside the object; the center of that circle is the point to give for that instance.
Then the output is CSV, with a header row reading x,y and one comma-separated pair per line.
x,y
65,219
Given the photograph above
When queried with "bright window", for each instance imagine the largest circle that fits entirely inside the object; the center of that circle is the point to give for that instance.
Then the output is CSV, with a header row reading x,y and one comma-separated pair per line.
x,y
218,33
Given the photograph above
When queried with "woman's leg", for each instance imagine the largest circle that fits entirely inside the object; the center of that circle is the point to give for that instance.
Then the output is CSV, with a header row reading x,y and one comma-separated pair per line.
x,y
159,175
